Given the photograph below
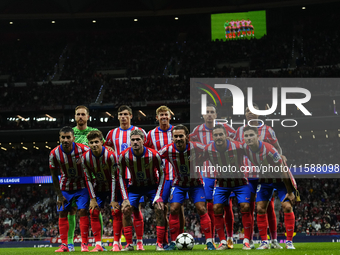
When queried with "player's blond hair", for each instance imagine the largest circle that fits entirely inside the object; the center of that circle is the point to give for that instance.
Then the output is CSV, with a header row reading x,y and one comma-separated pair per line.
x,y
163,108
82,107
137,132
95,134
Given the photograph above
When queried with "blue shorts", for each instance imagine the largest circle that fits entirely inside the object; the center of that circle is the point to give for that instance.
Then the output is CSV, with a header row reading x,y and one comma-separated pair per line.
x,y
80,198
221,194
253,185
209,185
265,191
135,194
178,194
166,191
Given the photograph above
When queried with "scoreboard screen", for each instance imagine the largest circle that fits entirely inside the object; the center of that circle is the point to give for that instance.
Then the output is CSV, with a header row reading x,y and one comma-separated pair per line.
x,y
238,26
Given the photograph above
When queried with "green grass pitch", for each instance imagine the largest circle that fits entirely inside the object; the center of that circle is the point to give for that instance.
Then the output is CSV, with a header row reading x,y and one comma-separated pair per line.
x,y
301,248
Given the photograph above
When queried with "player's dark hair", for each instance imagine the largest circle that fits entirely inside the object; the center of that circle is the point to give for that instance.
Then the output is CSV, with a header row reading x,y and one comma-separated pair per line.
x,y
123,108
181,127
214,106
255,106
217,126
95,134
250,128
137,132
66,129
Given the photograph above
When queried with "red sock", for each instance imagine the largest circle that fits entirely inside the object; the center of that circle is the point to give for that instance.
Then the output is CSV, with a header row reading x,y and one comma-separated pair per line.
x,y
272,220
229,219
138,223
84,228
262,224
63,229
174,226
160,234
290,224
128,234
252,210
219,221
246,221
206,225
117,225
95,225
212,217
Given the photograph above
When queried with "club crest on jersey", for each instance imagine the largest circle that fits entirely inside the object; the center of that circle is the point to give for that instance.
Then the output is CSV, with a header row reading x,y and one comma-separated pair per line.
x,y
183,170
276,157
72,172
100,176
124,146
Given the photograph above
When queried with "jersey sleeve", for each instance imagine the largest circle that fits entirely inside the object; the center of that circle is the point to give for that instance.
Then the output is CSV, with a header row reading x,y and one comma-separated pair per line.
x,y
88,174
121,171
194,137
271,136
113,166
52,161
108,139
148,141
163,153
160,168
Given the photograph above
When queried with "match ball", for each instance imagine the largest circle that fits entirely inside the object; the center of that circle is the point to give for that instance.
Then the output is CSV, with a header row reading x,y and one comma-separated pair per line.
x,y
185,241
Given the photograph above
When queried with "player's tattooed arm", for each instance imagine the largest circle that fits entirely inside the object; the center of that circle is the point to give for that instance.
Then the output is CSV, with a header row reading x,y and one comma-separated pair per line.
x,y
61,199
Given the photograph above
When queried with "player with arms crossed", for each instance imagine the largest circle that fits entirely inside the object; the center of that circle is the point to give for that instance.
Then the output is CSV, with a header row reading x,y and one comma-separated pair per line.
x,y
147,179
264,154
267,134
224,153
100,168
71,189
119,140
204,134
179,154
156,139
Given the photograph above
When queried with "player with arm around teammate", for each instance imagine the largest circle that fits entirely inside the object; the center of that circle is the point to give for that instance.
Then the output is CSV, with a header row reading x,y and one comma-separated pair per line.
x,y
71,189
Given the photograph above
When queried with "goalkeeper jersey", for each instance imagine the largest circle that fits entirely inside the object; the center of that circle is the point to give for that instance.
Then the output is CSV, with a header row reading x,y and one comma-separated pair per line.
x,y
80,135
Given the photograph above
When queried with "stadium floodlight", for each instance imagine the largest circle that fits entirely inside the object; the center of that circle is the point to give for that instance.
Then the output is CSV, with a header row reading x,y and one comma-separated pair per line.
x,y
313,136
3,148
94,21
300,137
311,131
11,22
326,136
142,113
25,148
303,8
135,20
53,21
176,18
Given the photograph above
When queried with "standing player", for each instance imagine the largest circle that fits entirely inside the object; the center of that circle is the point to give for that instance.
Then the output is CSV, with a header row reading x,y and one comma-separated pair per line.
x,y
71,189
264,154
204,134
224,153
156,139
180,153
100,167
119,140
80,132
147,179
267,134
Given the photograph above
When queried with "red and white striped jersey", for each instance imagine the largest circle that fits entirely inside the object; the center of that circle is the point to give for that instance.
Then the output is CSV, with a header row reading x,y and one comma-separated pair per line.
x,y
181,162
72,174
233,157
157,139
119,139
203,134
266,133
145,170
266,156
100,172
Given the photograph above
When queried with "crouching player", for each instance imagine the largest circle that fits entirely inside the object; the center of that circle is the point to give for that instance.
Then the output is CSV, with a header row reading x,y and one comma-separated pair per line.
x,y
264,154
100,168
225,154
71,189
147,179
179,154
